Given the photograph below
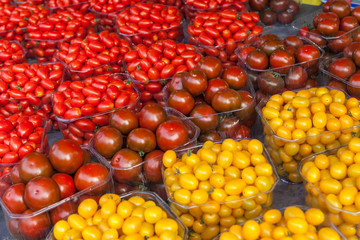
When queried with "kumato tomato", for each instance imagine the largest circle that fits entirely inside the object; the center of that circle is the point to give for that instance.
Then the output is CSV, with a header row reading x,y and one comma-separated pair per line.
x,y
300,123
211,182
132,216
332,183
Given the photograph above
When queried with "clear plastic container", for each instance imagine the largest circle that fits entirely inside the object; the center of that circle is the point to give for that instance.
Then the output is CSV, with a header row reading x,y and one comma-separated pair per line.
x,y
316,198
307,21
17,223
20,59
287,165
150,196
193,132
82,6
43,50
259,202
328,77
326,223
70,129
237,117
191,11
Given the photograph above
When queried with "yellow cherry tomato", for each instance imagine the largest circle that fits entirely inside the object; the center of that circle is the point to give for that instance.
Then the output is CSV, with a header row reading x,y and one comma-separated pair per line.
x,y
60,228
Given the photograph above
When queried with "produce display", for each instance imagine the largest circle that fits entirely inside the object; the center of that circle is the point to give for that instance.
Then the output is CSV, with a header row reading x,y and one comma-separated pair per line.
x,y
336,26
216,185
135,215
298,124
331,180
308,222
279,64
39,190
81,107
217,105
220,33
149,22
152,67
176,120
135,142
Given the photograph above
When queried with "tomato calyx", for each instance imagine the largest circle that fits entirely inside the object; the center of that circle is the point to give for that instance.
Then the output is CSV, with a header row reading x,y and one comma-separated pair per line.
x,y
143,188
189,152
141,153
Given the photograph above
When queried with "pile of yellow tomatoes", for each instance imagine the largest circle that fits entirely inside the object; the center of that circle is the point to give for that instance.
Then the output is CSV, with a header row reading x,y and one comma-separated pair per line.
x,y
309,121
333,185
219,185
115,218
293,224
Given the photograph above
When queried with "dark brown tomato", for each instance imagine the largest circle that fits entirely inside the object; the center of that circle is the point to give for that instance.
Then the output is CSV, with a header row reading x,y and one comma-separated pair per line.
x,y
124,120
90,175
337,84
121,188
286,17
159,189
296,78
127,166
280,59
65,183
310,83
34,165
63,211
199,100
356,56
349,50
328,27
354,85
325,15
252,76
258,5
171,134
315,36
244,51
152,166
279,5
195,83
293,7
41,192
356,13
308,55
182,101
151,116
228,126
348,23
272,45
226,100
259,96
338,44
268,17
210,136
342,67
14,228
242,132
257,60
13,198
235,76
176,81
214,85
293,41
107,141
247,105
340,7
270,83
265,38
141,140
211,66
291,50
66,156
15,175
36,227
326,6
205,117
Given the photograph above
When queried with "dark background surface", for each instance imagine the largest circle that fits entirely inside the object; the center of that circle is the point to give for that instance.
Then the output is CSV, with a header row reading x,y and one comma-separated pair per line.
x,y
284,194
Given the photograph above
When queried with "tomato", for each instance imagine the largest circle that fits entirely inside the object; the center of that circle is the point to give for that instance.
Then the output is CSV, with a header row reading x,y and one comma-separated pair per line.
x,y
65,183
226,100
66,156
91,174
126,163
151,116
182,101
63,211
34,165
13,198
171,134
280,59
36,226
195,82
342,67
257,60
107,141
124,120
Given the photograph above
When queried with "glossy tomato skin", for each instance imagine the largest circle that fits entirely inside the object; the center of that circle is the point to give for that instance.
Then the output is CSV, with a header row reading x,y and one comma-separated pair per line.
x,y
242,132
107,141
171,134
281,59
268,17
65,183
308,55
354,85
296,78
151,116
63,211
195,83
247,107
229,126
121,188
124,120
257,59
35,227
66,156
270,83
34,165
141,140
127,166
205,117
152,166
176,81
226,100
340,42
13,198
258,5
235,76
15,175
340,7
210,136
182,101
214,85
89,175
41,192
211,66
342,67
